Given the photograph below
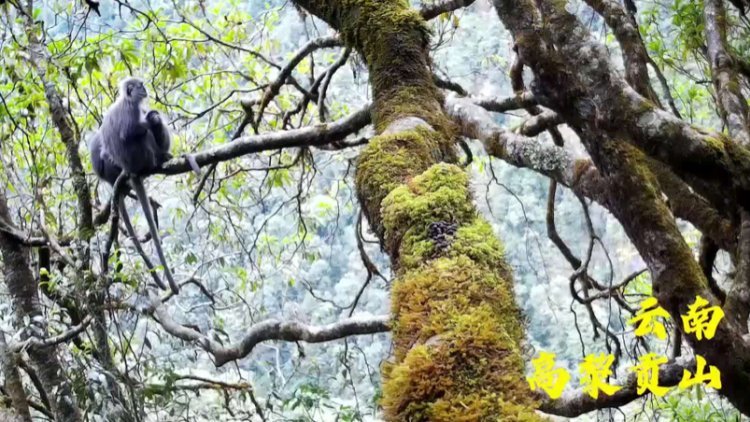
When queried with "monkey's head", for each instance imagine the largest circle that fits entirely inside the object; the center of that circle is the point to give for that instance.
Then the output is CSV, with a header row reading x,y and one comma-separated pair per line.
x,y
153,118
133,89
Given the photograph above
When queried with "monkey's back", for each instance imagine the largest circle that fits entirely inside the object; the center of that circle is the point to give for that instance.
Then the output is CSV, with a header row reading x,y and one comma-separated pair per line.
x,y
127,139
102,163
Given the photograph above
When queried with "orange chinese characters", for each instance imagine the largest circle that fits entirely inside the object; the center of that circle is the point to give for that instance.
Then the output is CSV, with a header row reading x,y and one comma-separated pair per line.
x,y
550,379
712,378
645,320
702,319
595,369
647,372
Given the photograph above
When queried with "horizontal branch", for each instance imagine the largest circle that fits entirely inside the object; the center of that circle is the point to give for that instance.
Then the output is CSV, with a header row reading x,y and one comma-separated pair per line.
x,y
434,10
578,402
54,340
502,105
557,163
271,329
21,236
309,136
537,124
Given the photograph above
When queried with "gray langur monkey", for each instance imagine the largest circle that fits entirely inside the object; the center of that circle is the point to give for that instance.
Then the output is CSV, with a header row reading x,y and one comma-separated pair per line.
x,y
137,141
109,172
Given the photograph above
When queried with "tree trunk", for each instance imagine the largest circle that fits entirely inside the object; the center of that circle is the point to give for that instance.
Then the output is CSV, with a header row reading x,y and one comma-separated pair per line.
x,y
456,327
23,288
13,384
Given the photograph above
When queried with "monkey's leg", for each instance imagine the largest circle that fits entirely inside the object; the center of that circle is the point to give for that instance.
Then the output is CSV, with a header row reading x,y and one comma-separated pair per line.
x,y
140,191
138,247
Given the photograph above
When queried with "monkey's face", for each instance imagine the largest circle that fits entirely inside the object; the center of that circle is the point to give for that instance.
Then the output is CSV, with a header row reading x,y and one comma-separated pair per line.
x,y
136,90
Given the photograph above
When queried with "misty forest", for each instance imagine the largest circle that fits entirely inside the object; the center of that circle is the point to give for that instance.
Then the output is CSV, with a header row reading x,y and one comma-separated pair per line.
x,y
437,210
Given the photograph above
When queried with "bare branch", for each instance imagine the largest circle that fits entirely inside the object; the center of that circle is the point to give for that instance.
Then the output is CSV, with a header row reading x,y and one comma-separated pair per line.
x,y
501,105
577,403
434,10
54,340
449,85
271,329
286,71
309,136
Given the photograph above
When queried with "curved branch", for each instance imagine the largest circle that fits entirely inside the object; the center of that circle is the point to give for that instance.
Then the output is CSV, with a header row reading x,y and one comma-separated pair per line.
x,y
434,10
579,173
271,329
309,136
286,71
577,403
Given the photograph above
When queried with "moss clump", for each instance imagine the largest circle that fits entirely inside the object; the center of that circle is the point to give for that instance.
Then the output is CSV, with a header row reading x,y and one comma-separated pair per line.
x,y
387,162
452,377
425,300
440,194
394,40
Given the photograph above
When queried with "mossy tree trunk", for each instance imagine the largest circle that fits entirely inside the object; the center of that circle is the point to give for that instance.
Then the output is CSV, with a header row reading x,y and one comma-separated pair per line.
x,y
622,131
456,327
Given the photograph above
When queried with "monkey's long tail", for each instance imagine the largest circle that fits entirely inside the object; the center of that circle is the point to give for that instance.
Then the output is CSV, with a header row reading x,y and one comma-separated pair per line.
x,y
140,191
138,247
193,164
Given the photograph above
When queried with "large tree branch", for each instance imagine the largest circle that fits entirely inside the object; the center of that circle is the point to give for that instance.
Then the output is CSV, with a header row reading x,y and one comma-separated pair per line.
x,y
579,173
731,101
576,403
634,54
306,137
444,6
579,82
734,111
576,78
271,329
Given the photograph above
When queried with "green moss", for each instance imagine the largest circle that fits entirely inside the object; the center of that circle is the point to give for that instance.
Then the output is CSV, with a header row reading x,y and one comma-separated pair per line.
x,y
388,161
425,300
456,325
715,143
446,379
440,194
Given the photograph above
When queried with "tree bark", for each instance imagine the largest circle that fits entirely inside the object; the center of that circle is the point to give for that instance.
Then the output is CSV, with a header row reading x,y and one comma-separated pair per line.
x,y
13,385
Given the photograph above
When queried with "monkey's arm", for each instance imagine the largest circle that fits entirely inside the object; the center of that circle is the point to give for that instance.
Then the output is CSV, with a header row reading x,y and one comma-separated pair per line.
x,y
160,131
133,133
